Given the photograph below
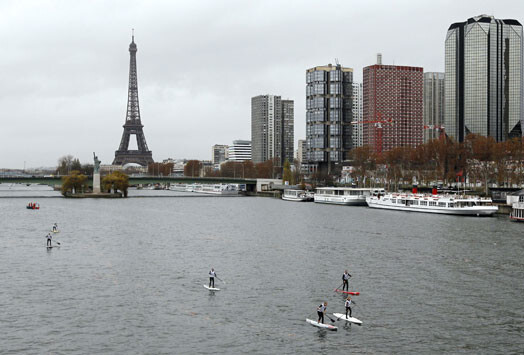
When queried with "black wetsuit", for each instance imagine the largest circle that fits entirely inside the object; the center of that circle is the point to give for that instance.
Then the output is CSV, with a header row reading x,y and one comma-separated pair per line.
x,y
212,275
348,308
345,280
320,312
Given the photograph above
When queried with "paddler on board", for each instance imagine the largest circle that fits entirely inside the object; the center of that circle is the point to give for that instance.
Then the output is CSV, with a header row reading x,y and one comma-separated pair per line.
x,y
212,275
348,306
48,236
345,280
321,310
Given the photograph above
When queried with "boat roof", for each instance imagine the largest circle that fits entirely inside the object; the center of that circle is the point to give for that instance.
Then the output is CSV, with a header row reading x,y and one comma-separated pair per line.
x,y
438,196
351,188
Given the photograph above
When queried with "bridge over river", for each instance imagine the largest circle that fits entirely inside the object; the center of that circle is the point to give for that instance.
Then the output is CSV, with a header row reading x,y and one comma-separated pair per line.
x,y
137,180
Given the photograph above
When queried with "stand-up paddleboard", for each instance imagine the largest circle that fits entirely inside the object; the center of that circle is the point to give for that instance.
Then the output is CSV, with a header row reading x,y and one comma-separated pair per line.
x,y
56,231
321,325
211,288
353,293
348,319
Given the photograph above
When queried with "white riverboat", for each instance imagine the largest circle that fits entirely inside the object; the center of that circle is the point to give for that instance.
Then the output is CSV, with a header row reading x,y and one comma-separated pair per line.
x,y
517,211
349,196
218,189
295,195
213,189
178,187
444,204
181,187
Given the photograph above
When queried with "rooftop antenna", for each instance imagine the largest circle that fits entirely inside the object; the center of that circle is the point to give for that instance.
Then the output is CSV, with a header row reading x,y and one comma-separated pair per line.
x,y
133,34
336,61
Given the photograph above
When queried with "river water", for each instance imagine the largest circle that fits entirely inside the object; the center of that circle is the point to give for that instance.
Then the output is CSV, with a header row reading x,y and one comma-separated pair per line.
x,y
129,273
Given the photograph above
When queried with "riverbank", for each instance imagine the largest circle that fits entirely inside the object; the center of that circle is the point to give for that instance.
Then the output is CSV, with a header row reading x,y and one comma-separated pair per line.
x,y
93,195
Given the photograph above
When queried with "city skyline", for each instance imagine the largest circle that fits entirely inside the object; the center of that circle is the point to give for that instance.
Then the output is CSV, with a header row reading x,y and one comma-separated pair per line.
x,y
65,74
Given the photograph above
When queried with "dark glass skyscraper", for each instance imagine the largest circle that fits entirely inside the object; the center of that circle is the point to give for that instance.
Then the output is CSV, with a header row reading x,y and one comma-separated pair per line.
x,y
484,78
329,106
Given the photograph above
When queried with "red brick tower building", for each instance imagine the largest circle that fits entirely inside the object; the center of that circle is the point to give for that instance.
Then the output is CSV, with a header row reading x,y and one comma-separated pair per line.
x,y
393,112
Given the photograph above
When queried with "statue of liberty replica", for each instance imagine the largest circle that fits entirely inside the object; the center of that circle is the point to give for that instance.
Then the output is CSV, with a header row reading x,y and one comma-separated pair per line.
x,y
96,175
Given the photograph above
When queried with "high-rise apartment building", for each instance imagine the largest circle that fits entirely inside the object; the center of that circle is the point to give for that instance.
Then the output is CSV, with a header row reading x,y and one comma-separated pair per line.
x,y
393,106
484,78
329,112
301,151
288,130
272,129
433,105
219,153
240,150
357,116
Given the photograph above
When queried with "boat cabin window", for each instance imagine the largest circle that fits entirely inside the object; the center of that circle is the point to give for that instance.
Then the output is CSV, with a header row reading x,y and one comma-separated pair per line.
x,y
442,204
393,200
432,203
423,203
451,205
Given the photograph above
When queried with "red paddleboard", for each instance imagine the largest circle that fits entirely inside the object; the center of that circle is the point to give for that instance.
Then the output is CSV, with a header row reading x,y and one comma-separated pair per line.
x,y
348,292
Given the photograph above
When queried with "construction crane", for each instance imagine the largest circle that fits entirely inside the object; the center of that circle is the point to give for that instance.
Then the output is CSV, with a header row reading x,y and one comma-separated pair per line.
x,y
378,124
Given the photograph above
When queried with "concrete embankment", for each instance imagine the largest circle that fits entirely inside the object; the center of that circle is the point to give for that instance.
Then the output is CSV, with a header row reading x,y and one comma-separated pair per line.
x,y
503,208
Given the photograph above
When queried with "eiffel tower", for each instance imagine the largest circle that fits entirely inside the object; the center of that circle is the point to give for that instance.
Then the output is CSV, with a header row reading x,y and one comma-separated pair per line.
x,y
133,125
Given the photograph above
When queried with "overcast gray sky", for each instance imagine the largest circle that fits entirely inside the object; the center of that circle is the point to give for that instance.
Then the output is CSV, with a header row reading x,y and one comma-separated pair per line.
x,y
64,65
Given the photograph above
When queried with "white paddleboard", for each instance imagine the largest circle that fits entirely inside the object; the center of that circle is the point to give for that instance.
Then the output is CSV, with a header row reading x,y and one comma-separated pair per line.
x,y
211,288
348,319
320,325
55,231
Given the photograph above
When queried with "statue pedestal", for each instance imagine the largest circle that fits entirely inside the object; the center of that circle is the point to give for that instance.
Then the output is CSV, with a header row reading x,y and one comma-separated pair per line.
x,y
96,183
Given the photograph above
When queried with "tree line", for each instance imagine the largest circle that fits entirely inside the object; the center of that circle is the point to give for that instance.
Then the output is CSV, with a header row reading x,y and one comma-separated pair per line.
x,y
268,169
69,163
77,182
478,160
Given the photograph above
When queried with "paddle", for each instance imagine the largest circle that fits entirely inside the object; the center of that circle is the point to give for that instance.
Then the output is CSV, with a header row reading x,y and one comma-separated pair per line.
x,y
331,319
220,279
340,317
338,288
57,242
